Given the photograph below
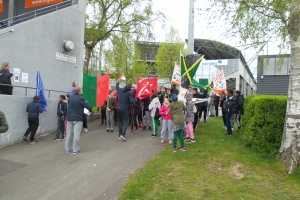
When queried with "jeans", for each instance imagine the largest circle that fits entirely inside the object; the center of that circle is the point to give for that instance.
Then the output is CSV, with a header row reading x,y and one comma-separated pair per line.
x,y
33,123
110,119
73,135
147,118
167,126
224,116
123,121
228,122
60,128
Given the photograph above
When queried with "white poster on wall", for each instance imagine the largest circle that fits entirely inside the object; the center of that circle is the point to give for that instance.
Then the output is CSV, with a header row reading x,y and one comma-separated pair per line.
x,y
17,71
16,78
24,77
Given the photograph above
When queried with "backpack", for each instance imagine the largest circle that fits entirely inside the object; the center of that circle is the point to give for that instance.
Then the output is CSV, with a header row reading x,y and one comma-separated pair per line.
x,y
157,115
3,123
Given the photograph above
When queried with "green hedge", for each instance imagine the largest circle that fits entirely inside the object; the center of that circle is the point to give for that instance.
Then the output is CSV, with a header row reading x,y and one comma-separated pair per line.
x,y
263,122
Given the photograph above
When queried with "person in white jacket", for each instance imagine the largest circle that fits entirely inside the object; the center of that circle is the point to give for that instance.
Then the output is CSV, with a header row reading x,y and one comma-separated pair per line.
x,y
154,107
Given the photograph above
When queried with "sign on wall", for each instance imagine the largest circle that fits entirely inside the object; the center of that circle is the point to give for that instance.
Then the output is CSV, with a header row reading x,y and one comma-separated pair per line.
x,y
66,58
1,6
214,62
36,3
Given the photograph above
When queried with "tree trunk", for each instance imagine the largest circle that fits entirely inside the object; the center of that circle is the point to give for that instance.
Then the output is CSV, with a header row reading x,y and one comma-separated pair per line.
x,y
289,151
87,60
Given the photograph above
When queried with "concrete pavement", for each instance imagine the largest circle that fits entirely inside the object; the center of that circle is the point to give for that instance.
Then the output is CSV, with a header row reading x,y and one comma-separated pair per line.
x,y
45,171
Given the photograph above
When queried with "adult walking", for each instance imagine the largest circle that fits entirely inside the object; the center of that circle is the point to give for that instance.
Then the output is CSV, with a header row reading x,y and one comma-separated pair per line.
x,y
202,106
5,77
239,108
76,105
125,99
216,104
34,109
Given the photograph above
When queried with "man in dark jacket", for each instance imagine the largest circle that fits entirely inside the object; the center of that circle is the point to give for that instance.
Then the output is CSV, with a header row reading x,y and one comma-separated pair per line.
x,y
125,99
33,109
200,106
61,116
238,108
229,109
76,105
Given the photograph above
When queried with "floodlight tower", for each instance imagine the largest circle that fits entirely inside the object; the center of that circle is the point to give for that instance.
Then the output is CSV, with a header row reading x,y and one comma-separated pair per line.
x,y
191,27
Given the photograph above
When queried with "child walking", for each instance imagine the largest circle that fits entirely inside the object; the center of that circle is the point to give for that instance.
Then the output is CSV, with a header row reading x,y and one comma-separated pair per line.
x,y
189,118
110,112
61,115
165,113
177,109
155,104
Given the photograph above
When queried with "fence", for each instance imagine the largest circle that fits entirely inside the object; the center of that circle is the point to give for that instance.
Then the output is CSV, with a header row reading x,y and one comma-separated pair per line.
x,y
33,88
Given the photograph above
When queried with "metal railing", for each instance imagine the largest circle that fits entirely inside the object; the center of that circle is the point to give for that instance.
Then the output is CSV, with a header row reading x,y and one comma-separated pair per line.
x,y
36,13
33,88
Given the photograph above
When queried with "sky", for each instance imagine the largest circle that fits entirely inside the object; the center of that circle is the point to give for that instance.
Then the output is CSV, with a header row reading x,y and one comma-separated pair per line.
x,y
177,12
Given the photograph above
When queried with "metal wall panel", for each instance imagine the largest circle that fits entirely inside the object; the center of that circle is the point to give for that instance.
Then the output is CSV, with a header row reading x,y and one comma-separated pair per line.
x,y
272,84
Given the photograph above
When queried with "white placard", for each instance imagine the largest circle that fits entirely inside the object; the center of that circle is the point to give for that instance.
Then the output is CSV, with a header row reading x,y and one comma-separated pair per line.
x,y
66,58
17,71
16,78
24,77
86,111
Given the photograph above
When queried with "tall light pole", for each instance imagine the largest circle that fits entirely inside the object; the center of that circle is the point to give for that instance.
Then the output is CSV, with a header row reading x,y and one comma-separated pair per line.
x,y
191,27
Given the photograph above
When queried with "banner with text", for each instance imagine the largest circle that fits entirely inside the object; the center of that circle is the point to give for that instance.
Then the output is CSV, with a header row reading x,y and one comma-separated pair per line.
x,y
176,75
1,6
36,3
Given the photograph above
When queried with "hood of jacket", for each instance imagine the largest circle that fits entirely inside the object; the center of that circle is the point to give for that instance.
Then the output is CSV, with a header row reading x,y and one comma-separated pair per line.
x,y
156,102
189,96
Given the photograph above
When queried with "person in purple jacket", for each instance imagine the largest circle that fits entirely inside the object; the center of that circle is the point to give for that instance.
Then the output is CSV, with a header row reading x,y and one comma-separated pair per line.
x,y
72,90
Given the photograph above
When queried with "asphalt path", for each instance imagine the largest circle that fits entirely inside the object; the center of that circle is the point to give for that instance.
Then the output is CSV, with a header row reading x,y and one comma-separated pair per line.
x,y
99,171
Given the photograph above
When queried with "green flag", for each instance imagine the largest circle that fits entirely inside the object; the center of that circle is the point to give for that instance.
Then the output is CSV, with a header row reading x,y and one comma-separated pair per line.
x,y
190,73
89,89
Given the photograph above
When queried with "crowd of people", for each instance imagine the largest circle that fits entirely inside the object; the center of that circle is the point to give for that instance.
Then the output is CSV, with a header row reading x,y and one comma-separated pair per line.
x,y
123,109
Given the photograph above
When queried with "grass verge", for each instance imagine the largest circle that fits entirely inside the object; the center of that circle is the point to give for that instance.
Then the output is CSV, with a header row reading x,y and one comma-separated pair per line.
x,y
214,167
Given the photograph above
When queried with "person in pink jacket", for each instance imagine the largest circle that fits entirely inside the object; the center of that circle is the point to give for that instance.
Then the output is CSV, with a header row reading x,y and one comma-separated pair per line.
x,y
165,113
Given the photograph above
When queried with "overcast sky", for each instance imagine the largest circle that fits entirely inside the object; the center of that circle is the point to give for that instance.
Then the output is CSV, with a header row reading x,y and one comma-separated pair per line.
x,y
177,12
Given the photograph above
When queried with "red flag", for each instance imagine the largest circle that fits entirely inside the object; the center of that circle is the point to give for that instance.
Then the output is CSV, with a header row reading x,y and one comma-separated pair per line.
x,y
102,89
145,86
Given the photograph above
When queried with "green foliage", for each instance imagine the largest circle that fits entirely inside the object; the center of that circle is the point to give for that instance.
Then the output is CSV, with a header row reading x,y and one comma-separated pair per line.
x,y
254,21
263,122
168,53
110,17
123,57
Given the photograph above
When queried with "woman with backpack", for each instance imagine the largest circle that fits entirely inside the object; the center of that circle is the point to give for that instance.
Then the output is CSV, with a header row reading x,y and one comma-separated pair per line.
x,y
5,76
154,107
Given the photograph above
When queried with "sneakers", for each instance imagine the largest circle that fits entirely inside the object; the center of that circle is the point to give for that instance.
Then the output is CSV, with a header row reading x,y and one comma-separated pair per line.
x,y
136,131
150,129
25,139
131,131
67,151
32,142
111,130
85,130
56,139
63,138
170,141
181,149
153,135
225,127
107,130
192,140
162,141
144,128
187,139
119,138
174,149
123,137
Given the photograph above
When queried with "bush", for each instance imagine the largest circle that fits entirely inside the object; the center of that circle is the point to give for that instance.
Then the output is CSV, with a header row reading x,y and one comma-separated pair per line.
x,y
263,122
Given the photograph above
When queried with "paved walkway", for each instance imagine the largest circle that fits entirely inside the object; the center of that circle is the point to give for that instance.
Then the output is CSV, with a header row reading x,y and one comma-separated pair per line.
x,y
45,171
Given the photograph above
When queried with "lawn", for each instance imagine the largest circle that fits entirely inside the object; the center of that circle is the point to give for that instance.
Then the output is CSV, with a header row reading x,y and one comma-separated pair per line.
x,y
214,167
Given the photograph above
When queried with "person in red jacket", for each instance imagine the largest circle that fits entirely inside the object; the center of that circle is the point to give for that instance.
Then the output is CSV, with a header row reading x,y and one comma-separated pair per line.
x,y
165,113
116,105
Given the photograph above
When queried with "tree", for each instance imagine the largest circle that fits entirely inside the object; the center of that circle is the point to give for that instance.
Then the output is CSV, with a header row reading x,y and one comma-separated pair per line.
x,y
114,16
259,21
168,53
123,56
